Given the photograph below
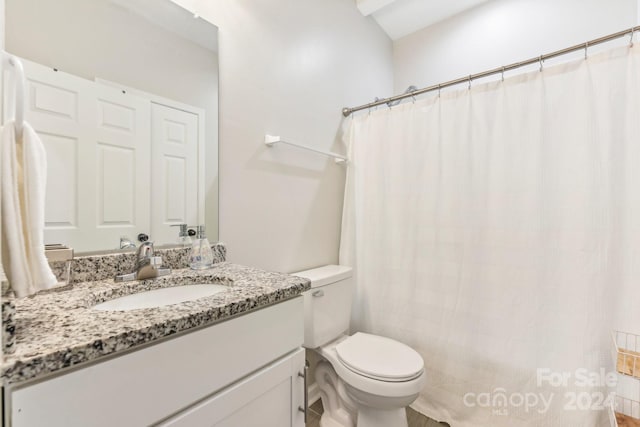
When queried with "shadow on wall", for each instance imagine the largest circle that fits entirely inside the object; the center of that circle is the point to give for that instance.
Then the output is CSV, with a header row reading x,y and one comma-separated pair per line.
x,y
313,195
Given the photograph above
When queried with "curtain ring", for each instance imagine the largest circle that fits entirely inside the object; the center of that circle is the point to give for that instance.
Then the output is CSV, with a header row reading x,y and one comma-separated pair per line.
x,y
540,61
439,90
502,73
376,99
469,81
586,47
633,30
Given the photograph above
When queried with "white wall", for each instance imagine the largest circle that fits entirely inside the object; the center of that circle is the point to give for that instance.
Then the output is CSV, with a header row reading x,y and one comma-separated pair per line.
x,y
501,32
287,67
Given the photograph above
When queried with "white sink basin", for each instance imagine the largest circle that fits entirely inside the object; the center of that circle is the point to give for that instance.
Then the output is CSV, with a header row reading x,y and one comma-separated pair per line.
x,y
160,297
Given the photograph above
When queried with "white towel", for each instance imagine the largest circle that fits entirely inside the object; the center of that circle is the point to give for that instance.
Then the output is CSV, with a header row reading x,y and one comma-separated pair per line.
x,y
24,177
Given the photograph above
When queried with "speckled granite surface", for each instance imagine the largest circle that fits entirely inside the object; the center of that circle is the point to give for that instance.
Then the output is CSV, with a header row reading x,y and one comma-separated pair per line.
x,y
8,310
106,266
94,268
57,329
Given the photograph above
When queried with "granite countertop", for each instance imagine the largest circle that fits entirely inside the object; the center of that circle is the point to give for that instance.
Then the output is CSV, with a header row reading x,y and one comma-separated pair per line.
x,y
57,329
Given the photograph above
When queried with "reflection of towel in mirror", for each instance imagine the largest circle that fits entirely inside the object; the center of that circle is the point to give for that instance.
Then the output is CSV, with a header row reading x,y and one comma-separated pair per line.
x,y
23,171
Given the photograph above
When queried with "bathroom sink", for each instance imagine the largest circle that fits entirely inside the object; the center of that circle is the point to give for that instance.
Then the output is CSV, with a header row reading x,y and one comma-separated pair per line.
x,y
160,297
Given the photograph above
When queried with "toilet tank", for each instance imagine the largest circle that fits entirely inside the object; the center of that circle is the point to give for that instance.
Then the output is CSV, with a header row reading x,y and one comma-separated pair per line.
x,y
327,305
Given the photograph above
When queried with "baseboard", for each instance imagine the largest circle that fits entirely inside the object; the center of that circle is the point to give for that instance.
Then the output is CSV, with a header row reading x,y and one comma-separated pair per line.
x,y
314,393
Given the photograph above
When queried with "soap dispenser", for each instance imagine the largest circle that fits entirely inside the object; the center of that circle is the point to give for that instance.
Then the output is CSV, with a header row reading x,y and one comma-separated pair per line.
x,y
201,253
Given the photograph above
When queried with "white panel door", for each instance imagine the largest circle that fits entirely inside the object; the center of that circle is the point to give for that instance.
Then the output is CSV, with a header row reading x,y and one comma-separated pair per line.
x,y
97,141
122,166
174,182
56,108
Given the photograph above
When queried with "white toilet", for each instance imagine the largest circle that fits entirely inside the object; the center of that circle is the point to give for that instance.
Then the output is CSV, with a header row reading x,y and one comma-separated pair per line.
x,y
365,380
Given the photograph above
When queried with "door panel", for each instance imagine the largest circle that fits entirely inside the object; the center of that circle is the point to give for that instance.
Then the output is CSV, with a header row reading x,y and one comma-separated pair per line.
x,y
54,108
174,183
62,158
122,173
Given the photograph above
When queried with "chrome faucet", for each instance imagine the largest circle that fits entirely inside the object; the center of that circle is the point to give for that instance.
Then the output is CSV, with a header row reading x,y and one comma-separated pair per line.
x,y
126,243
148,265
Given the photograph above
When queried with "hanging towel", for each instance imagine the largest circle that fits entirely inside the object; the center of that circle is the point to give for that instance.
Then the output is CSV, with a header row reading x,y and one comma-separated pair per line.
x,y
24,175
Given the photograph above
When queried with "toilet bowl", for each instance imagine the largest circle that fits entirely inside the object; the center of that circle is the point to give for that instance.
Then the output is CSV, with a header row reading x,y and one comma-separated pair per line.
x,y
364,380
380,377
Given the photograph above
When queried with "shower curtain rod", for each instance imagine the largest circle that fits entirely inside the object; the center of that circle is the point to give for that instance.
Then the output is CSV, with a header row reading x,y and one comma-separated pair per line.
x,y
500,70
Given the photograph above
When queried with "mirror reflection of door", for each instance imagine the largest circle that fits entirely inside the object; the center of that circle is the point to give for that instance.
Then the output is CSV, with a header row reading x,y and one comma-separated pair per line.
x,y
129,121
98,155
174,174
120,165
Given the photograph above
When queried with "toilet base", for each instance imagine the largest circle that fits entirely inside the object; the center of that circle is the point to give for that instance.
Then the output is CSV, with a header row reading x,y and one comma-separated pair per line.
x,y
345,406
339,410
327,421
371,417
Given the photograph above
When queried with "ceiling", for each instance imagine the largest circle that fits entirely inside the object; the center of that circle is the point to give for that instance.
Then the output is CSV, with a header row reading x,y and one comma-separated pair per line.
x,y
399,18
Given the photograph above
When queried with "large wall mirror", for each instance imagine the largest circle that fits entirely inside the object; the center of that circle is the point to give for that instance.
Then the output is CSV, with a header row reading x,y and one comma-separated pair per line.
x,y
124,95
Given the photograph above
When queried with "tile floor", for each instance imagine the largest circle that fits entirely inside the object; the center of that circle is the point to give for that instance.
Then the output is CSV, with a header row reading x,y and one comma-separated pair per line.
x,y
416,419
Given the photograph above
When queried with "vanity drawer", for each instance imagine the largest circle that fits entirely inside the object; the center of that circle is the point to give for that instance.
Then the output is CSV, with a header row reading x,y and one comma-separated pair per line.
x,y
267,398
145,386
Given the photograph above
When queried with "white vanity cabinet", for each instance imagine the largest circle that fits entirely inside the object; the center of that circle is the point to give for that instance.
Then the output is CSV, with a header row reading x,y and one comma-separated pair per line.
x,y
242,372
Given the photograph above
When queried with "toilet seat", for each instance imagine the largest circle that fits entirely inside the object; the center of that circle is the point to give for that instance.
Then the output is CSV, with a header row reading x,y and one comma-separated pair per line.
x,y
366,383
379,358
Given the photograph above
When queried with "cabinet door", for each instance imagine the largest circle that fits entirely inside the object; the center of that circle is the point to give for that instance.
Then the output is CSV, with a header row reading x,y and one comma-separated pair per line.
x,y
269,398
174,183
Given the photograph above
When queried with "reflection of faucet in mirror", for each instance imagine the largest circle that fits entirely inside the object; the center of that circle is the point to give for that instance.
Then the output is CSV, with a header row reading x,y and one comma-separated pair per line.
x,y
184,236
126,243
148,266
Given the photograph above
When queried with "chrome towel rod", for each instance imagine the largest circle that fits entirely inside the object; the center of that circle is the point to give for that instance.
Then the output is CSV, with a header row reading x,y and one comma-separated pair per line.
x,y
270,140
18,71
539,59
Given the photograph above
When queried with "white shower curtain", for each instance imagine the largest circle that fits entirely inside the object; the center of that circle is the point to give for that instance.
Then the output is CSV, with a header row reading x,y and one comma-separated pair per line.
x,y
497,231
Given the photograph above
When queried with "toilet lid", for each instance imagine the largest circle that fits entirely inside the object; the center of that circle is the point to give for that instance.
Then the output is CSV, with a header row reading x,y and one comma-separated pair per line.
x,y
380,358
